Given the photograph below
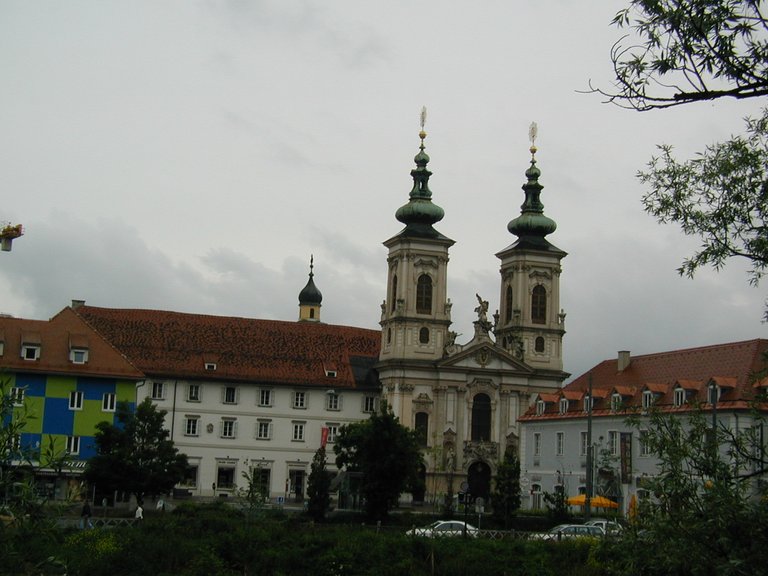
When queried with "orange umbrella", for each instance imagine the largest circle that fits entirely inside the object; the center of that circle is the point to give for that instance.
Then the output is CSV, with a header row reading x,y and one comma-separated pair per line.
x,y
595,501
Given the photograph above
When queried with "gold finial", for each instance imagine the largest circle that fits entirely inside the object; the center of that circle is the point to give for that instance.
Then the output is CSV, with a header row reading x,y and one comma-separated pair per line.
x,y
423,121
533,131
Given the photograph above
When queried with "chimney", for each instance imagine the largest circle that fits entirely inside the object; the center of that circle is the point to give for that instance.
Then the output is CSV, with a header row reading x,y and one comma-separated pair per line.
x,y
77,303
624,360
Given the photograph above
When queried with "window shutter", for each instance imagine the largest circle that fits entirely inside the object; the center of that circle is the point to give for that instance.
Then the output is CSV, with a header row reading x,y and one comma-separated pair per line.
x,y
234,429
341,402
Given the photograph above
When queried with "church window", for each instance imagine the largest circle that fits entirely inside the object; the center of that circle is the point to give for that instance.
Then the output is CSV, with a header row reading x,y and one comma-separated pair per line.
x,y
422,428
389,335
508,305
394,293
424,294
481,418
539,344
424,335
539,305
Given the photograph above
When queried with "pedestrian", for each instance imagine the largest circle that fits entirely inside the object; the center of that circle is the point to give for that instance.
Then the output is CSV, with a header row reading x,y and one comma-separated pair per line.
x,y
139,512
85,515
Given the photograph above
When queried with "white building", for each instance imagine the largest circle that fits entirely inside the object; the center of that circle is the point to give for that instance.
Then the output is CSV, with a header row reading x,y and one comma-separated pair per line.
x,y
555,429
246,395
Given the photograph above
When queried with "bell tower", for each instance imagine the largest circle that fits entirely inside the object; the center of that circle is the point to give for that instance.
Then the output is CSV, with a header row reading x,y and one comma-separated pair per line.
x,y
310,298
531,323
416,314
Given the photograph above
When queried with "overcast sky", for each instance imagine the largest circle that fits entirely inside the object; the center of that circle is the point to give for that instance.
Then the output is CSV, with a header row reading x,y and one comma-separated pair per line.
x,y
191,155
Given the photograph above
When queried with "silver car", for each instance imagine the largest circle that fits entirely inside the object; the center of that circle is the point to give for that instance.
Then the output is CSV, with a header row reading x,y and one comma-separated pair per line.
x,y
444,529
568,531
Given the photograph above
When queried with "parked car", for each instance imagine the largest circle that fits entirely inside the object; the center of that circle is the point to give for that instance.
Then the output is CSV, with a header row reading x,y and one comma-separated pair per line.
x,y
610,527
568,531
444,529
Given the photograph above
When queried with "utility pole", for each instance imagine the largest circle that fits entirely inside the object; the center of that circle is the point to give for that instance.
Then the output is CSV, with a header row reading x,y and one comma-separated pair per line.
x,y
588,496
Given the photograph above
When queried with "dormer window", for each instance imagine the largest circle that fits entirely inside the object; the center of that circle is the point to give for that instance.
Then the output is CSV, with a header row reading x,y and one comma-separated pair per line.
x,y
210,366
563,405
615,402
680,396
78,355
589,403
648,399
541,406
330,373
30,351
713,393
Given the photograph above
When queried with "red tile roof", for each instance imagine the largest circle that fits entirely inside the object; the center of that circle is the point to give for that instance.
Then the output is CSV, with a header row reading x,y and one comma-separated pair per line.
x,y
55,336
177,345
732,366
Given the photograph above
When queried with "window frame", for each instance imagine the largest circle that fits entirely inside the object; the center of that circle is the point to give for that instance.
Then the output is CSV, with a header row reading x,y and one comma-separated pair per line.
x,y
78,355
17,395
648,399
333,402
564,405
373,401
230,395
583,443
76,400
614,439
190,429
298,431
539,305
537,443
679,396
34,349
269,394
228,428
616,402
299,399
559,443
265,425
194,393
108,402
424,290
72,447
158,390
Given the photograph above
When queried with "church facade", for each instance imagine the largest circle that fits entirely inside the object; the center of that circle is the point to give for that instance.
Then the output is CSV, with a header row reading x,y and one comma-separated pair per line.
x,y
464,400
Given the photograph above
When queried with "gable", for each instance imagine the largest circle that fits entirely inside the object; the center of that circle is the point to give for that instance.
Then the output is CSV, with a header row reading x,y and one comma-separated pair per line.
x,y
486,356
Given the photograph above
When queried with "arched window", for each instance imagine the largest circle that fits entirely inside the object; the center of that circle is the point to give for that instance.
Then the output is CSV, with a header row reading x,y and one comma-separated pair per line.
x,y
539,344
394,292
389,335
481,418
424,335
539,305
508,305
424,294
422,428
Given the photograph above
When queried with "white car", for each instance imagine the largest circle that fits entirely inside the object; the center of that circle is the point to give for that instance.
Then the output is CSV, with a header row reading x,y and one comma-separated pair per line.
x,y
444,529
608,526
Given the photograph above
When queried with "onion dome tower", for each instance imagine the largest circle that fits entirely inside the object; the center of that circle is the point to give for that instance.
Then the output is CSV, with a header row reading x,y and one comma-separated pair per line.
x,y
531,324
416,314
310,298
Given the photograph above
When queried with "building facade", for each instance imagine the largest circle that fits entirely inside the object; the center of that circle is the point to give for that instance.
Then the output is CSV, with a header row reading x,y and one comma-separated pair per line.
x,y
247,396
558,427
464,400
63,379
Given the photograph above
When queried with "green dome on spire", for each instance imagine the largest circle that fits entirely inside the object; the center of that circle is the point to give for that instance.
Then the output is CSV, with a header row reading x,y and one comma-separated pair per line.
x,y
420,212
532,226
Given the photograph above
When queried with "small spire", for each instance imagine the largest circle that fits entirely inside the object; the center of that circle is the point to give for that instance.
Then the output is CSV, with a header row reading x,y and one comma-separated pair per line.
x,y
420,212
532,224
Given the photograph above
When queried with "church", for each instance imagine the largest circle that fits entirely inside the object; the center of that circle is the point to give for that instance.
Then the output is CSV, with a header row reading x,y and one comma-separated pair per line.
x,y
464,400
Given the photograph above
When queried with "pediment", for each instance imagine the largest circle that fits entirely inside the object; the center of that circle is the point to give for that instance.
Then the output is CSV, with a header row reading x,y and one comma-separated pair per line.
x,y
486,355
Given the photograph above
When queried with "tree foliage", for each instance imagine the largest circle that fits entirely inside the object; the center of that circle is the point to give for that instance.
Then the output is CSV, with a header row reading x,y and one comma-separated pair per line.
x,y
136,455
703,500
318,487
506,497
387,455
721,196
682,51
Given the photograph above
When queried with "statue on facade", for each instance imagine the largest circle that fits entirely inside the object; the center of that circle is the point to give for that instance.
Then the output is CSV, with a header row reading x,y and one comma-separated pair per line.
x,y
482,314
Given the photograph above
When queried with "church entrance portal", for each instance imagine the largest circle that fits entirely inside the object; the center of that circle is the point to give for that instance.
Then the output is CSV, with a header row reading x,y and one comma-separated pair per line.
x,y
479,479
